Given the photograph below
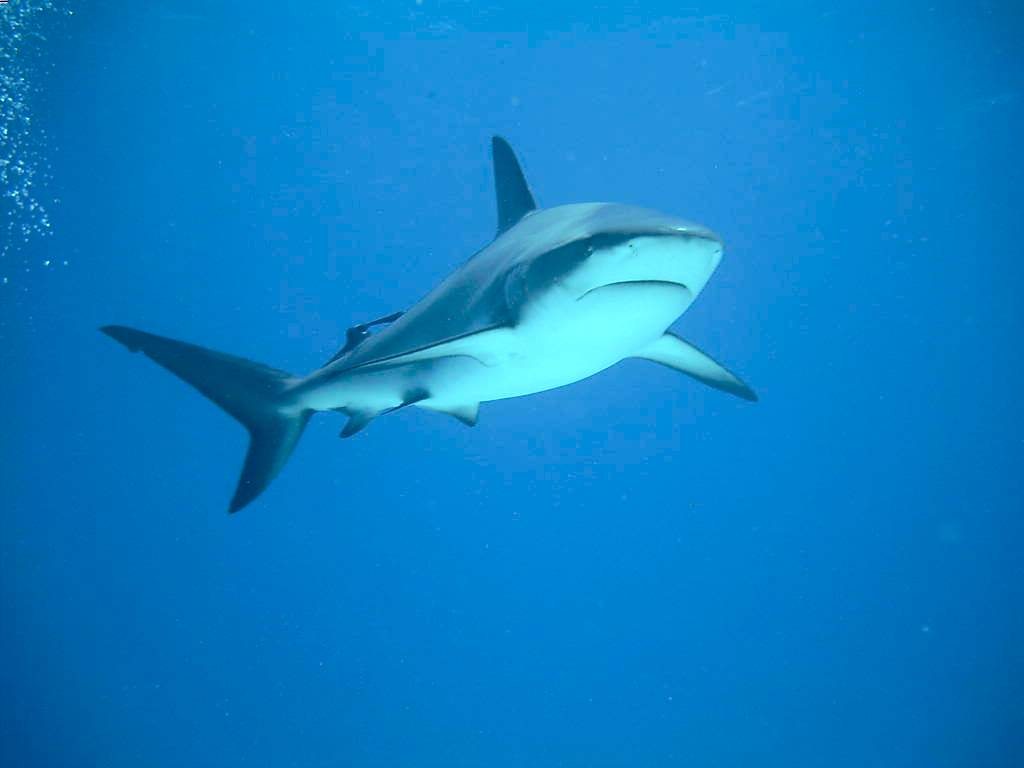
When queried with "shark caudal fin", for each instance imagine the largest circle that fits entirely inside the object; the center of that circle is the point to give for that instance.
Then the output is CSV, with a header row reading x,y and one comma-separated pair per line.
x,y
249,391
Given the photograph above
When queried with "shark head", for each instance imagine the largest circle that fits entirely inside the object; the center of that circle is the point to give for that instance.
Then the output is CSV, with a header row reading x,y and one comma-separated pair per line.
x,y
622,251
680,254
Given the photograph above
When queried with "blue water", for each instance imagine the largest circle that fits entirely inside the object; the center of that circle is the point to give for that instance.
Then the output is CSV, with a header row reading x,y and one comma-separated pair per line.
x,y
632,571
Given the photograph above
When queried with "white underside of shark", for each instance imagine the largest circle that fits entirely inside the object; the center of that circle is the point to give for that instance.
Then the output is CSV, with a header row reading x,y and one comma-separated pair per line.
x,y
560,295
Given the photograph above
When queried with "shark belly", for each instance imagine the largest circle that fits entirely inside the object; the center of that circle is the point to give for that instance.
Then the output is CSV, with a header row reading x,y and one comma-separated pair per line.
x,y
561,341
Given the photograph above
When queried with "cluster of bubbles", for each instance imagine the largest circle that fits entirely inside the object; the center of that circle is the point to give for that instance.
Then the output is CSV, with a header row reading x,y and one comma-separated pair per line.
x,y
23,168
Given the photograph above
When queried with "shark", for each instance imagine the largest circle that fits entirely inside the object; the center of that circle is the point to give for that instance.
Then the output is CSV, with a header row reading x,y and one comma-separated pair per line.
x,y
560,294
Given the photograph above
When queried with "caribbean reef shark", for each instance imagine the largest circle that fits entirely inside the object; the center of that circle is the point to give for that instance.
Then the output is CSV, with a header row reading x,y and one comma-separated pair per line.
x,y
560,294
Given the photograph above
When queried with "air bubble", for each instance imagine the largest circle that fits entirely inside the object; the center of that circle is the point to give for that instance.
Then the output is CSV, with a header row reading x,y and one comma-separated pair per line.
x,y
23,165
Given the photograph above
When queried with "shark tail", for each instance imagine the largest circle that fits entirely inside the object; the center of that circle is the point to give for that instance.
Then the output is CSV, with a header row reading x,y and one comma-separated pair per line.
x,y
252,393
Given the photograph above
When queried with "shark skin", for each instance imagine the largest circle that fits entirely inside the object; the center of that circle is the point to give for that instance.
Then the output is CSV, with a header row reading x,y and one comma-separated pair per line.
x,y
559,295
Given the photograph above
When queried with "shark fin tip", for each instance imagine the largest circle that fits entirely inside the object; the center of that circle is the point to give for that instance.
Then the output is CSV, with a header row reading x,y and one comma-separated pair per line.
x,y
123,335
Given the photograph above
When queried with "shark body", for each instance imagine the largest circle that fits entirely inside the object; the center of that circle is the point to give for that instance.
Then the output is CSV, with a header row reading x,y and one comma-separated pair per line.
x,y
560,294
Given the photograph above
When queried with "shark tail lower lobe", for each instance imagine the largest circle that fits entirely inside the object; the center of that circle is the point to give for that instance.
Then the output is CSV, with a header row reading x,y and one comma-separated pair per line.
x,y
251,392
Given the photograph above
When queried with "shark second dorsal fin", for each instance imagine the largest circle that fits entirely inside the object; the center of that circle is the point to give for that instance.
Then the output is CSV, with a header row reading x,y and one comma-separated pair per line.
x,y
514,197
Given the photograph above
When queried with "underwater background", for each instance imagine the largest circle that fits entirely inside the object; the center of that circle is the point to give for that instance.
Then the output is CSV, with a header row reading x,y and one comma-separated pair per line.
x,y
631,571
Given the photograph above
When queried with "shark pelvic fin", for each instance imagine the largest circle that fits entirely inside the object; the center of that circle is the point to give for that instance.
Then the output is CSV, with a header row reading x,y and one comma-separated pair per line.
x,y
414,396
672,351
467,413
514,197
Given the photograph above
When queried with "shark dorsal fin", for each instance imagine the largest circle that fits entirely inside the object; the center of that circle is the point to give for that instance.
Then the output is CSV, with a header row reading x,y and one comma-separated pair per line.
x,y
514,197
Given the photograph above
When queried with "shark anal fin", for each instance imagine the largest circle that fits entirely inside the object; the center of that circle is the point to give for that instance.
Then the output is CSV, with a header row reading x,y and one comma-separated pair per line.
x,y
514,197
672,351
357,421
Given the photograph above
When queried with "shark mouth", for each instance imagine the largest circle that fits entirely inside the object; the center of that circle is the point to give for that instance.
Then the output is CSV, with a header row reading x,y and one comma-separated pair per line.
x,y
639,284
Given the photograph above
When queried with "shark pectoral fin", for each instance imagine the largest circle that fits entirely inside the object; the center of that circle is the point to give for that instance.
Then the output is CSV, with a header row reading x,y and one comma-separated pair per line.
x,y
357,421
514,197
674,352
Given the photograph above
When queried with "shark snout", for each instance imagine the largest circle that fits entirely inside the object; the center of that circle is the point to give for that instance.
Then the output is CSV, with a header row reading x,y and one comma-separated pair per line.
x,y
703,239
693,249
698,231
691,257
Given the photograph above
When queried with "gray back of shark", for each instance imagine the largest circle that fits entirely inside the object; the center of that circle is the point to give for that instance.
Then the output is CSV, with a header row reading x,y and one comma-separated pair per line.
x,y
559,294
